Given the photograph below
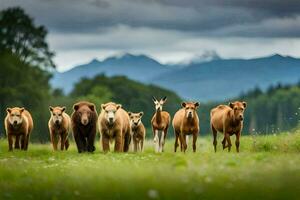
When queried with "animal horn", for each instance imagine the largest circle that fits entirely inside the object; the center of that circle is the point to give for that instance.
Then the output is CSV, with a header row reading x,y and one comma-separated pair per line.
x,y
153,98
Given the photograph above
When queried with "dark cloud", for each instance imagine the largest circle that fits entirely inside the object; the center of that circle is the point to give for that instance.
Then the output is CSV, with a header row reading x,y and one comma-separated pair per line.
x,y
203,17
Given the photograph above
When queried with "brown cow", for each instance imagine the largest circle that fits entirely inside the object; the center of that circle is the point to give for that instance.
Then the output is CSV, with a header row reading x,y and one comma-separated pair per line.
x,y
138,130
229,121
186,122
160,122
59,127
19,124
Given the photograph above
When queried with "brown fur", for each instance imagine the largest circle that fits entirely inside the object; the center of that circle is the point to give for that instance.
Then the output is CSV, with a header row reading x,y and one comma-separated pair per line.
x,y
118,130
84,125
229,121
59,130
138,130
160,122
184,126
21,131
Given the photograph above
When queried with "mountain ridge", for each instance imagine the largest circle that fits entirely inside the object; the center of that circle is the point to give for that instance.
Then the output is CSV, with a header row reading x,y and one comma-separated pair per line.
x,y
217,79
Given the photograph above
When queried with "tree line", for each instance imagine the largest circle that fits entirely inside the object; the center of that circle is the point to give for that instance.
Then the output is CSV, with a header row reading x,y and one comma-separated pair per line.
x,y
274,110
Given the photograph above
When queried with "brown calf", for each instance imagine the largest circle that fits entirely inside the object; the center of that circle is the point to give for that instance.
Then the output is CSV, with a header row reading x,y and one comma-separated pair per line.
x,y
186,122
59,127
229,121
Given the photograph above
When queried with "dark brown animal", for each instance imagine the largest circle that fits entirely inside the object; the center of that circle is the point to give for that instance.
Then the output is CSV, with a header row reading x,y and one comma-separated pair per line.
x,y
138,131
186,122
114,124
59,127
19,124
160,122
84,123
229,121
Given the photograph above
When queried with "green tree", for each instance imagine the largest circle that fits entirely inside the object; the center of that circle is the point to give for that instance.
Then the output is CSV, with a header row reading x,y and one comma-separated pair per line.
x,y
21,37
133,96
27,86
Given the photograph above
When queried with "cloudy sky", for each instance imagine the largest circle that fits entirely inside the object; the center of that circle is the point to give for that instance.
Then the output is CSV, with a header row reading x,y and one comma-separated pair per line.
x,y
167,30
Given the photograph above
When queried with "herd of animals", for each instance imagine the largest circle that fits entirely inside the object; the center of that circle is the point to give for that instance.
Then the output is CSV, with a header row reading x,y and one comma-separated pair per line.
x,y
125,128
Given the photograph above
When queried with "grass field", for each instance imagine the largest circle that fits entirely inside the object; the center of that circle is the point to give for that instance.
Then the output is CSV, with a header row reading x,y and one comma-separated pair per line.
x,y
268,167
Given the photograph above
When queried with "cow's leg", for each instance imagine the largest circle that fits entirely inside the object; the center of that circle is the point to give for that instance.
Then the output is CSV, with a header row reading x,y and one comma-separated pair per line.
x,y
237,142
227,136
183,141
214,131
224,142
176,141
194,141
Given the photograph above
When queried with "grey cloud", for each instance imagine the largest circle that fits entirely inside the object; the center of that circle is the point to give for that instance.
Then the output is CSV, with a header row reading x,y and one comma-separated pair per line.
x,y
245,18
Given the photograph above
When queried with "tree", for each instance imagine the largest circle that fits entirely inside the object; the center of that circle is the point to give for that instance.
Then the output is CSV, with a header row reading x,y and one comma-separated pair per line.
x,y
21,37
25,86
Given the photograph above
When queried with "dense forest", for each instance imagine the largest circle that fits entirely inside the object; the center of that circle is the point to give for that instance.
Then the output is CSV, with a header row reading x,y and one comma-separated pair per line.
x,y
26,67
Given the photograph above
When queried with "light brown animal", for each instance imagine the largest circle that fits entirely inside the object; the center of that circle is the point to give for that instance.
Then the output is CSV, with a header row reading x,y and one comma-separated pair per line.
x,y
229,121
160,122
59,127
19,124
138,130
186,122
114,124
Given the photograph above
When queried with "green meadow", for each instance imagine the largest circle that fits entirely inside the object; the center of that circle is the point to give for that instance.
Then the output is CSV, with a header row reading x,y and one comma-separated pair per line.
x,y
268,167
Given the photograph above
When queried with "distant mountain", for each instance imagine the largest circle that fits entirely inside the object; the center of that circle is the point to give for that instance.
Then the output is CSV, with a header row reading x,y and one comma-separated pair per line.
x,y
137,67
204,57
223,79
217,79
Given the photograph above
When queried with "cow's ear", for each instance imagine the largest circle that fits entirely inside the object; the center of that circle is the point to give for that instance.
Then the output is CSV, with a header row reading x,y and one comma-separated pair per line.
x,y
245,104
183,104
119,106
92,106
63,109
231,105
50,108
197,104
141,114
103,106
76,106
22,109
8,110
